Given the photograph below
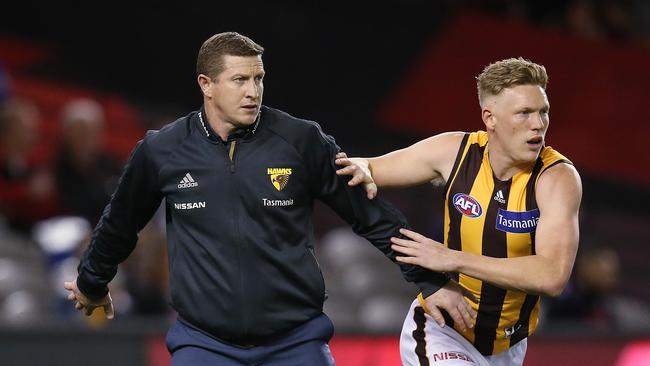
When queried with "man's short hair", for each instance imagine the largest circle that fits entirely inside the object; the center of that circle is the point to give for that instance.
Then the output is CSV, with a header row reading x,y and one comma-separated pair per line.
x,y
508,73
210,59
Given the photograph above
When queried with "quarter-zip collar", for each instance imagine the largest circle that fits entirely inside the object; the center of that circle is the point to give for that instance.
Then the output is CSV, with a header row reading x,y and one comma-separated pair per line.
x,y
239,133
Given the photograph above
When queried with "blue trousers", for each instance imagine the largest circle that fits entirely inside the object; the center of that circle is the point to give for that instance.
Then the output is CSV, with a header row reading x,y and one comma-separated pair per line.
x,y
306,344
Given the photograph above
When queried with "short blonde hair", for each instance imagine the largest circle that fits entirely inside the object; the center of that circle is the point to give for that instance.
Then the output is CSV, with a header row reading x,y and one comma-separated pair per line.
x,y
507,73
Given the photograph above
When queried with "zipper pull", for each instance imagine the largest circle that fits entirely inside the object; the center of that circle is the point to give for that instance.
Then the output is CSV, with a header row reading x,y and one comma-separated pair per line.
x,y
231,155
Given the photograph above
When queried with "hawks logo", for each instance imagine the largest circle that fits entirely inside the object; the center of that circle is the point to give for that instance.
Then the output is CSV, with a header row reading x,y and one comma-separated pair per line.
x,y
279,177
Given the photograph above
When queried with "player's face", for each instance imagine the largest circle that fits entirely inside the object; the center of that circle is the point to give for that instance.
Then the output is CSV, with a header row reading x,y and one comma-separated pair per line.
x,y
236,93
520,120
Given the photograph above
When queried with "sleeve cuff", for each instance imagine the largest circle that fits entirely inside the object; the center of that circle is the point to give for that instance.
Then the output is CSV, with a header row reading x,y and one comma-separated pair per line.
x,y
90,291
432,282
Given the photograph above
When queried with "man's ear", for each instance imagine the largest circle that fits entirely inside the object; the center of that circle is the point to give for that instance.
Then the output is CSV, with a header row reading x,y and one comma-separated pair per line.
x,y
488,118
204,83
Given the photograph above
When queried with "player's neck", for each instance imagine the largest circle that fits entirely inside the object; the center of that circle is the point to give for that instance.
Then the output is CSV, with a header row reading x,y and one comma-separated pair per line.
x,y
503,165
222,128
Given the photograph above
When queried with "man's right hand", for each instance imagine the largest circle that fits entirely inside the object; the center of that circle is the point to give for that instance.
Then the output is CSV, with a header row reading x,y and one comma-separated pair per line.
x,y
87,305
451,298
359,169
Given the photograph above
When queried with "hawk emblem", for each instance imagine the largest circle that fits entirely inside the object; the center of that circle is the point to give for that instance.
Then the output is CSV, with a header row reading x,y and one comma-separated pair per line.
x,y
279,181
279,177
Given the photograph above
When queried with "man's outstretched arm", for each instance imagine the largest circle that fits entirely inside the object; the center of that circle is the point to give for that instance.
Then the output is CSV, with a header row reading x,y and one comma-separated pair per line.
x,y
427,160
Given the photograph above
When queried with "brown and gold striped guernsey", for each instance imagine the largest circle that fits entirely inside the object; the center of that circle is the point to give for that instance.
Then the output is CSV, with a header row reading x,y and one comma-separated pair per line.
x,y
489,217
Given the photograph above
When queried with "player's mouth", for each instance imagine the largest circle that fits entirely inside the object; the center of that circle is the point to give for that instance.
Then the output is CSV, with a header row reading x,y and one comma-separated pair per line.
x,y
535,142
251,108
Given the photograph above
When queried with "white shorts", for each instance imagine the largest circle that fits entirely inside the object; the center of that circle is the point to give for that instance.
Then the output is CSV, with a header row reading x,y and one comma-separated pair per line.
x,y
424,343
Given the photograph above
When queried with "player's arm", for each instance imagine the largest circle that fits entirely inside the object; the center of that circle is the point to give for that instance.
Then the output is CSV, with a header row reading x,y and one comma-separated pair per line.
x,y
424,161
377,221
132,205
546,272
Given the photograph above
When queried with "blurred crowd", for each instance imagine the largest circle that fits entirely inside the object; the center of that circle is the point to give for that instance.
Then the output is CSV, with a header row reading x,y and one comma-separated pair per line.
x,y
622,21
49,203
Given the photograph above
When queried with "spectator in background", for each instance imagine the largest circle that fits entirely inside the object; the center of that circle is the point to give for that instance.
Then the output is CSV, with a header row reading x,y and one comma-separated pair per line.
x,y
5,89
85,174
590,296
28,193
146,275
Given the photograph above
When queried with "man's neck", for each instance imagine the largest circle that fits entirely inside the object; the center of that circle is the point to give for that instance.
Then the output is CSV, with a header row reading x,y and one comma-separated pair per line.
x,y
221,128
503,166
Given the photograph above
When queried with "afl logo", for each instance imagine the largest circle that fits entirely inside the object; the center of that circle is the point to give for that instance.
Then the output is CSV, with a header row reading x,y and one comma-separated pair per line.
x,y
467,205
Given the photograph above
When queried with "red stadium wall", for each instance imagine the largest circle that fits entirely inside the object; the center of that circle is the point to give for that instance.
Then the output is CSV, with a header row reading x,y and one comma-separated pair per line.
x,y
597,91
122,129
384,351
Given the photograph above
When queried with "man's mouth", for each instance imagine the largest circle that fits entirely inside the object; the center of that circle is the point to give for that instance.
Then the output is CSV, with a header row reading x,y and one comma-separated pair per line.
x,y
535,141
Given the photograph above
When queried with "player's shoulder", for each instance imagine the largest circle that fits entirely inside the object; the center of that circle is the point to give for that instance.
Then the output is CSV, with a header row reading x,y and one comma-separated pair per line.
x,y
550,157
282,121
442,148
170,136
556,167
560,181
563,171
446,139
293,129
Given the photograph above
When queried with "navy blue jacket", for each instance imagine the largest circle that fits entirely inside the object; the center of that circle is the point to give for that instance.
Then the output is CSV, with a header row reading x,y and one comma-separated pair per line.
x,y
239,227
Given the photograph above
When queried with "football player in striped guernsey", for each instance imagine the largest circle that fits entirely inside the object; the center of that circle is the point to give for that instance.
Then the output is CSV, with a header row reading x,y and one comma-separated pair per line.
x,y
510,220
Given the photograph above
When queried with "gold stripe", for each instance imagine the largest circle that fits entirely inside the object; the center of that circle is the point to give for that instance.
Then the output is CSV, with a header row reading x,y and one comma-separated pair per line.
x,y
469,283
470,141
231,153
423,303
518,245
534,318
474,286
549,156
471,230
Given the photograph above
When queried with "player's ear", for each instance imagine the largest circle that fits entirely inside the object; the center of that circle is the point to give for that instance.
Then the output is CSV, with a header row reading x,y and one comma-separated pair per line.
x,y
204,83
488,118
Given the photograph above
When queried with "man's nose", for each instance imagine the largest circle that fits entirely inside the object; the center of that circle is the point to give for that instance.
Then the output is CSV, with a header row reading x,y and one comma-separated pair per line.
x,y
538,121
253,89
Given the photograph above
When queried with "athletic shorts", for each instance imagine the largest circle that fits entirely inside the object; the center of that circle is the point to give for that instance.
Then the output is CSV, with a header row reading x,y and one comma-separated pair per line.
x,y
424,343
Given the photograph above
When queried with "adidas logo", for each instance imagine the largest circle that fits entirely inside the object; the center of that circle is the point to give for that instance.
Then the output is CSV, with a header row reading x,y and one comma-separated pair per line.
x,y
187,182
509,331
499,197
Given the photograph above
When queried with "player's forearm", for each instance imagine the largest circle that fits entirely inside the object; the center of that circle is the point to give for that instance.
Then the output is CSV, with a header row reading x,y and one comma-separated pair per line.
x,y
388,171
532,274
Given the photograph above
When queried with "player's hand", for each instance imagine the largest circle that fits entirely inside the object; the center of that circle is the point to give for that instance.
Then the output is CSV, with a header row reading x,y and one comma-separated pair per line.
x,y
87,305
359,169
452,298
424,252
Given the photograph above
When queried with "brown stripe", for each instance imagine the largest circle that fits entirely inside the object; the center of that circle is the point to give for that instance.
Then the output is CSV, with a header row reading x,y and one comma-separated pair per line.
x,y
558,162
524,319
494,244
459,155
530,301
531,202
419,336
462,183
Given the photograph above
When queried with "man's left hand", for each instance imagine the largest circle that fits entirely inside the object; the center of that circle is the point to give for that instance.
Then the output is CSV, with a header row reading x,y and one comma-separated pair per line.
x,y
424,252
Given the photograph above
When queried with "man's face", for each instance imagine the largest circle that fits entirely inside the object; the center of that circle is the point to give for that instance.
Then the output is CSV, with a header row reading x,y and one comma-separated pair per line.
x,y
518,121
236,93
